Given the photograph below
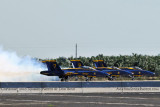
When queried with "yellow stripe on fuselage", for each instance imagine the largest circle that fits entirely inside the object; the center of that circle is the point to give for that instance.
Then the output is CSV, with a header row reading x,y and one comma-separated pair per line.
x,y
116,75
137,75
109,72
98,61
75,73
71,68
91,76
85,73
104,67
74,60
126,68
69,73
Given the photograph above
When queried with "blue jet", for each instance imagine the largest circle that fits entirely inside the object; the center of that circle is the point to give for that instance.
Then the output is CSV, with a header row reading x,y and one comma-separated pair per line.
x,y
114,71
101,66
138,72
64,74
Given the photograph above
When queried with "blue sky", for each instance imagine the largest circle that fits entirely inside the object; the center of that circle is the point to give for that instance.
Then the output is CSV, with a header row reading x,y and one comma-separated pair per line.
x,y
51,28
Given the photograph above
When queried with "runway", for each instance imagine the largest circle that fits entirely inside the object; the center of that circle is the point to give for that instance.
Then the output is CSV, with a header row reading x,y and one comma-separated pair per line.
x,y
80,87
81,100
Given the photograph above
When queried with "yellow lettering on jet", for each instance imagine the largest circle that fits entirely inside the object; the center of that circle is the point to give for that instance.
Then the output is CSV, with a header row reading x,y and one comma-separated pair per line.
x,y
109,72
54,65
79,65
69,73
85,73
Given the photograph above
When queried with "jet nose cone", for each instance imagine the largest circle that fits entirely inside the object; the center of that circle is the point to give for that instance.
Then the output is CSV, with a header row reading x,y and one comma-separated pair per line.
x,y
41,72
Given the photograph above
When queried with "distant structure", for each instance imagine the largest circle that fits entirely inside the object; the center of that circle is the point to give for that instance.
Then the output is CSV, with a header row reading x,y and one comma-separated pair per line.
x,y
76,51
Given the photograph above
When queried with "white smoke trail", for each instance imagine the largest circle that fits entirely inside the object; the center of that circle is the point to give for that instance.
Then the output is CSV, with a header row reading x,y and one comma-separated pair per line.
x,y
14,68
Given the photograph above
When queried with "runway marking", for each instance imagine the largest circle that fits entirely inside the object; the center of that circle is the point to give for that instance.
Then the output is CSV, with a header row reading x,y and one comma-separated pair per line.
x,y
5,104
104,97
69,102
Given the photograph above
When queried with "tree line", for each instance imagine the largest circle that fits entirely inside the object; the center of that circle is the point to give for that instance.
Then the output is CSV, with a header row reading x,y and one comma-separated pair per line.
x,y
146,62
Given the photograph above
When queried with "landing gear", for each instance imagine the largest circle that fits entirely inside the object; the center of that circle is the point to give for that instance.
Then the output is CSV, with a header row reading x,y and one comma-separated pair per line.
x,y
65,78
91,78
76,78
110,78
133,78
62,79
87,79
114,78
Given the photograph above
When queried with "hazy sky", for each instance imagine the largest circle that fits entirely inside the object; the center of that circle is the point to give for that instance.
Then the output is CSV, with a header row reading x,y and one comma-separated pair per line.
x,y
51,28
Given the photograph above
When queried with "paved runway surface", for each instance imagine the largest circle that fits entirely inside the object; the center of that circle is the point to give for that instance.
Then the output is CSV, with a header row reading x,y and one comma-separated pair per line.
x,y
81,100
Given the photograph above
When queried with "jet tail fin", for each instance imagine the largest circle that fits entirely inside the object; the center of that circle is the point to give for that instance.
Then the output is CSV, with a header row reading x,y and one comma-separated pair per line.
x,y
76,63
53,66
99,63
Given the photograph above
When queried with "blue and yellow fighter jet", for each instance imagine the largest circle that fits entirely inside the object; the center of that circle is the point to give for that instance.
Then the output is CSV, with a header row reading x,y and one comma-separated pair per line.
x,y
114,71
101,66
64,74
138,71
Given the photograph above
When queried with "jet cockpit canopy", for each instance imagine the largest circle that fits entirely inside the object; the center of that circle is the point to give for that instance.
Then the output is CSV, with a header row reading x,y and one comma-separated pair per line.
x,y
87,67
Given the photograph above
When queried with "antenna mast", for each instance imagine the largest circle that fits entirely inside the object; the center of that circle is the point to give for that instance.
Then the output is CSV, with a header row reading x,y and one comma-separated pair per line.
x,y
76,50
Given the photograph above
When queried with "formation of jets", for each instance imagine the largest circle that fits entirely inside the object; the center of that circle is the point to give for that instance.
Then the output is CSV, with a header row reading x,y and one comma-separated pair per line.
x,y
100,69
64,74
135,71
